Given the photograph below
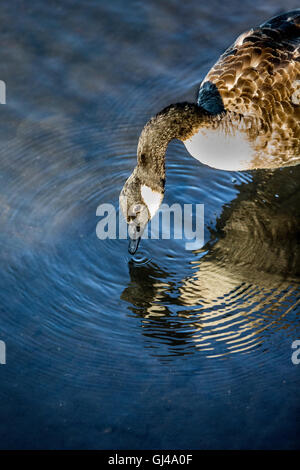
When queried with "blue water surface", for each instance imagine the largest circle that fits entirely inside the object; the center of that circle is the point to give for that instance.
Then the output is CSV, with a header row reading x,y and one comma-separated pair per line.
x,y
173,349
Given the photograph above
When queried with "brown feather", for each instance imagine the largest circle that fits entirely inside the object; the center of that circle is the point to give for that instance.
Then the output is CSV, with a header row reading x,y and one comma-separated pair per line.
x,y
259,77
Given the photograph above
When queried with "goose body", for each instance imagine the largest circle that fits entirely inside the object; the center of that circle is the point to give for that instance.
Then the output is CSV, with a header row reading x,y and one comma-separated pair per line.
x,y
256,82
246,117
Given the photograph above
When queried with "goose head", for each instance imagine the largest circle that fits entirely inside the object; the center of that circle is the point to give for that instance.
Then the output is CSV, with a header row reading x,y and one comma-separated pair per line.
x,y
140,199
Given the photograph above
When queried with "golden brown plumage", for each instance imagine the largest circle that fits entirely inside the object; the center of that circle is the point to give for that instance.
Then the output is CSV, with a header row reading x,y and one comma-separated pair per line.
x,y
258,79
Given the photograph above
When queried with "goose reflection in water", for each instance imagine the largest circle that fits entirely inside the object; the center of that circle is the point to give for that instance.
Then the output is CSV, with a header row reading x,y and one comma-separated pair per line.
x,y
243,289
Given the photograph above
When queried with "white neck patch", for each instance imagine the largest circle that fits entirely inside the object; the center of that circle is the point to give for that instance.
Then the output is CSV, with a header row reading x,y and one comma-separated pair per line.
x,y
151,198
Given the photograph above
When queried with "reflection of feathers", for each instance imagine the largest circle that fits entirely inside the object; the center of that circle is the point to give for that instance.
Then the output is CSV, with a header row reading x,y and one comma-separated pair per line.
x,y
246,283
258,78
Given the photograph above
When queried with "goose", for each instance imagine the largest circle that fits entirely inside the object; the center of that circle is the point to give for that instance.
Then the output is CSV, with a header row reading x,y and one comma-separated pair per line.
x,y
246,117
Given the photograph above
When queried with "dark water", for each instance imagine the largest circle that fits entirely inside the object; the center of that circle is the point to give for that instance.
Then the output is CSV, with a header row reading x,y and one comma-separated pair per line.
x,y
191,349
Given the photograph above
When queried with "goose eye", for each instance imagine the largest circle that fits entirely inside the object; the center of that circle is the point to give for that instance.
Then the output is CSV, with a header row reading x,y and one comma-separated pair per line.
x,y
134,211
137,208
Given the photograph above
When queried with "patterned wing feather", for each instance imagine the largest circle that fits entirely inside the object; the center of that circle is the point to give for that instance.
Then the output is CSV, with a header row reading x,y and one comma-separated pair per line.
x,y
258,77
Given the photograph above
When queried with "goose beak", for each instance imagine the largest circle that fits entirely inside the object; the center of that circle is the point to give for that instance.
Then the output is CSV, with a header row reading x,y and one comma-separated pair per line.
x,y
135,234
133,245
